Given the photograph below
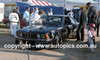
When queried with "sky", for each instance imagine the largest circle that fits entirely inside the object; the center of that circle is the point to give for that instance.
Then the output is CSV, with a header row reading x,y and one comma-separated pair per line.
x,y
82,1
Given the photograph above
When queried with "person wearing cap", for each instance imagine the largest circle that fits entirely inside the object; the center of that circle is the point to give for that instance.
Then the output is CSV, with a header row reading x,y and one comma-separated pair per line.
x,y
50,12
26,16
91,37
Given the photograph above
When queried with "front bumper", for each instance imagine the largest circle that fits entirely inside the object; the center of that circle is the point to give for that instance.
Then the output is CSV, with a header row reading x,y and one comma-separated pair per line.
x,y
36,41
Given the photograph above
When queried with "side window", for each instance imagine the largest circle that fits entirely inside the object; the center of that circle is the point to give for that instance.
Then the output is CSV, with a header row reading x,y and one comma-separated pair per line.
x,y
67,21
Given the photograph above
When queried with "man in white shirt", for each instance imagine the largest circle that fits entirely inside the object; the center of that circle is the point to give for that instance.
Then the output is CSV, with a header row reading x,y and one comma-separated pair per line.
x,y
50,12
14,19
36,17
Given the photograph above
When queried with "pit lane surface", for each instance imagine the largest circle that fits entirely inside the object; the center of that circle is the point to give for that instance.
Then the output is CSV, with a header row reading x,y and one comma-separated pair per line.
x,y
45,54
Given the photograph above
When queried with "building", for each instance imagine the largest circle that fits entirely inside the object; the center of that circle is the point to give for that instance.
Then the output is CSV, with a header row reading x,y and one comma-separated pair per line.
x,y
10,5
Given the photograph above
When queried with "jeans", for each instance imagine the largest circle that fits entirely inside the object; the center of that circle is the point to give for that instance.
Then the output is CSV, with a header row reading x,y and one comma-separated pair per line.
x,y
13,27
26,22
91,43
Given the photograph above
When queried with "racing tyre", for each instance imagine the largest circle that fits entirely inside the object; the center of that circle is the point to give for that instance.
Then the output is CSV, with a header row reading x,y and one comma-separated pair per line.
x,y
58,39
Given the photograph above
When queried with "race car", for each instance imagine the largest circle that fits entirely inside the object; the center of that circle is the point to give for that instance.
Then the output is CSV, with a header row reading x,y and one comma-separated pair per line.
x,y
53,29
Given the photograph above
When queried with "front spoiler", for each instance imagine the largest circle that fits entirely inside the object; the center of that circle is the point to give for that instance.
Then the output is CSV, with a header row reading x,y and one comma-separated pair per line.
x,y
37,41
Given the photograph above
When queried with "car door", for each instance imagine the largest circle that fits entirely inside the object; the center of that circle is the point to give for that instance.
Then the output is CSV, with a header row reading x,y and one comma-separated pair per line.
x,y
69,22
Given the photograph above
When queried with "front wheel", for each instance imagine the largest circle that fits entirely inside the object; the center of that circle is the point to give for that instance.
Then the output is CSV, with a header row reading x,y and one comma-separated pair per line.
x,y
58,39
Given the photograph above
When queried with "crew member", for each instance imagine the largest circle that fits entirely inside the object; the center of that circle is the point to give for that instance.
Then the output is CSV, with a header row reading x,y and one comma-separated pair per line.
x,y
36,17
13,17
50,12
98,24
81,25
92,14
36,10
26,16
18,12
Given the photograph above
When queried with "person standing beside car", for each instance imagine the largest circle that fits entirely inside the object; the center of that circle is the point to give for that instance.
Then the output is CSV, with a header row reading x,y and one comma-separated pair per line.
x,y
14,18
18,12
50,11
26,16
98,24
36,10
37,17
81,25
32,13
92,14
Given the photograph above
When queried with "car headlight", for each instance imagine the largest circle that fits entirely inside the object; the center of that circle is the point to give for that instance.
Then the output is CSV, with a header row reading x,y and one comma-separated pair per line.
x,y
38,36
50,35
47,36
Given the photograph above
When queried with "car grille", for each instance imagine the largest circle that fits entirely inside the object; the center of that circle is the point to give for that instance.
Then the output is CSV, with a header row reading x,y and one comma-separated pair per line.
x,y
31,36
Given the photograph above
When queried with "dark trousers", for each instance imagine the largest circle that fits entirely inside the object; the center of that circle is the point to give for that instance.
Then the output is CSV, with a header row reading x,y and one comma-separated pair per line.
x,y
97,29
80,31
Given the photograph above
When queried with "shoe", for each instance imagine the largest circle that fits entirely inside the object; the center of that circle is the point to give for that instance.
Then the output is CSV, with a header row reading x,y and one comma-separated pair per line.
x,y
97,35
82,39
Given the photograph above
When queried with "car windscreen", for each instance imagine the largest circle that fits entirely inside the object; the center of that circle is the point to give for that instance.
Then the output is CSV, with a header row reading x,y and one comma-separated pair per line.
x,y
54,21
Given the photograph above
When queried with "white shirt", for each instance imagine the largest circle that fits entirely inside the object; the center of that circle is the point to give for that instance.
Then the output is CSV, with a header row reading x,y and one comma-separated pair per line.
x,y
13,17
50,13
90,33
34,17
36,12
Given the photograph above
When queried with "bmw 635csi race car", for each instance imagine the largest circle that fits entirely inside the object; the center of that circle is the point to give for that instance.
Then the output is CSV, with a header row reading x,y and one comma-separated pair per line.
x,y
53,29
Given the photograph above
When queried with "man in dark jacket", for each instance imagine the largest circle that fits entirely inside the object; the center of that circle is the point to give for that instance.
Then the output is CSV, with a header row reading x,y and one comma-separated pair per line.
x,y
98,24
92,13
81,25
